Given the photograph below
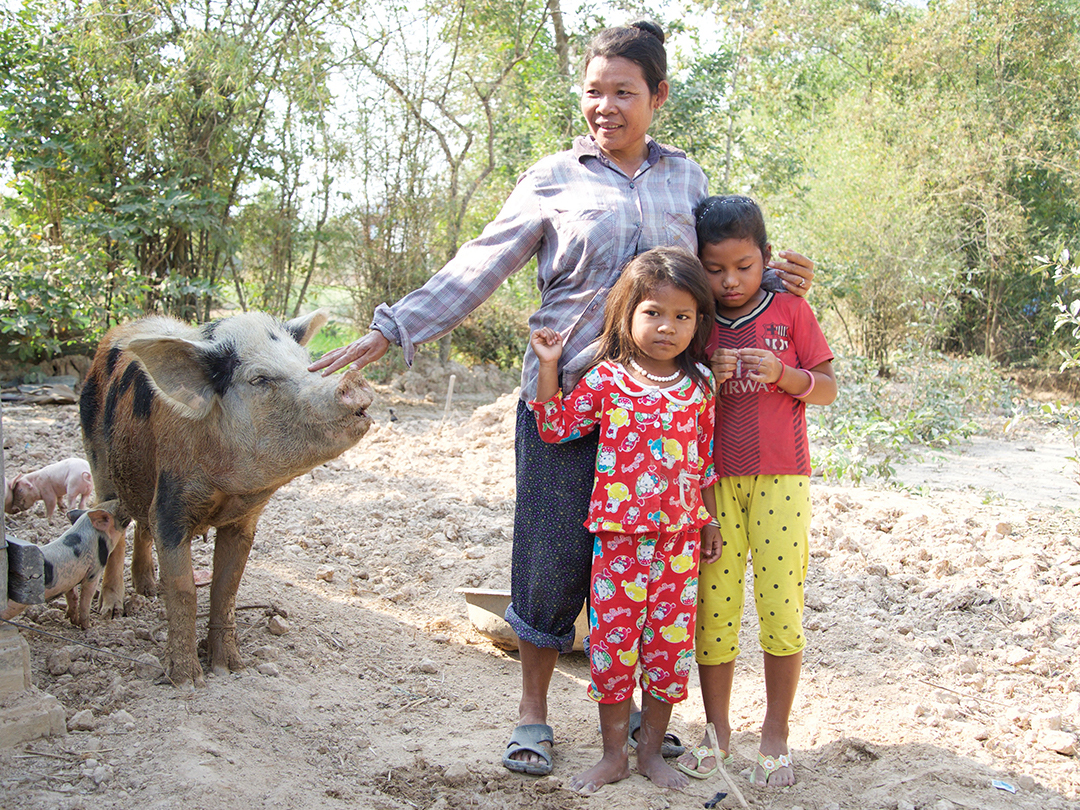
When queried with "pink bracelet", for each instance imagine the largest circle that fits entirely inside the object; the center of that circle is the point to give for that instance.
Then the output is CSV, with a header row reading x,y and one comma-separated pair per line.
x,y
806,393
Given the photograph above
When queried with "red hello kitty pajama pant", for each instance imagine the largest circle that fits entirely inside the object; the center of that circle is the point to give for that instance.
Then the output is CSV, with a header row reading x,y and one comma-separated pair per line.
x,y
642,607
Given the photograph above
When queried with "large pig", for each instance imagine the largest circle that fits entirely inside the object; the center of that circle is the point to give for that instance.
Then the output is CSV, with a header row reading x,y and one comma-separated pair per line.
x,y
53,483
193,427
77,558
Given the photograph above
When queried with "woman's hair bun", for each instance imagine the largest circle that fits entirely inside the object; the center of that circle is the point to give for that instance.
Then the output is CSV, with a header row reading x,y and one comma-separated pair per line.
x,y
650,27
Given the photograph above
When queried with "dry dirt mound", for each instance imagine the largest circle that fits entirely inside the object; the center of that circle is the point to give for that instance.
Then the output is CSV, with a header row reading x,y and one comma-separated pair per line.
x,y
943,632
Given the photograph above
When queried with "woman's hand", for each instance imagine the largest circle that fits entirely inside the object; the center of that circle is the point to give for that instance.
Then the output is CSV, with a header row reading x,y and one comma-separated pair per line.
x,y
795,271
360,353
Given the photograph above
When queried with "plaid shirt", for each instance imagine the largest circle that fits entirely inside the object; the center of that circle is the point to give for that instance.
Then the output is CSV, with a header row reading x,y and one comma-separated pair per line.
x,y
583,219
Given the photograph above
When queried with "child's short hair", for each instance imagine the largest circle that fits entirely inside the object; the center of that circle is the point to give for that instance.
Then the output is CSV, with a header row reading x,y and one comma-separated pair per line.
x,y
642,275
731,216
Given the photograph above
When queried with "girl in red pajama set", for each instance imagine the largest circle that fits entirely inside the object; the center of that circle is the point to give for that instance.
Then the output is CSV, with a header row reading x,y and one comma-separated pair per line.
x,y
652,510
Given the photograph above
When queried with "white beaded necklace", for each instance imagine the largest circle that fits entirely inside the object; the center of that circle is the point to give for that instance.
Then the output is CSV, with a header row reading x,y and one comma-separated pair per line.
x,y
655,377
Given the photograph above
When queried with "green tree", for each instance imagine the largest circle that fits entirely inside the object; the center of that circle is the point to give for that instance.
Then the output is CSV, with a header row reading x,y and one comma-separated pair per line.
x,y
450,108
133,132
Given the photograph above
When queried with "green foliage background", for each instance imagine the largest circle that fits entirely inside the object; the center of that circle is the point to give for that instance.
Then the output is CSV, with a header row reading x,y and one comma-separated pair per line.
x,y
187,158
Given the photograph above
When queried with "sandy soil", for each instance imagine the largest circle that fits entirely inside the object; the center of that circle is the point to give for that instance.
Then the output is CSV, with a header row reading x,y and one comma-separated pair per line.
x,y
942,623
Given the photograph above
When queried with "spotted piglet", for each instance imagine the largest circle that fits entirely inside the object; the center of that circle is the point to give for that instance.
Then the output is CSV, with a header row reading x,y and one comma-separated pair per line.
x,y
69,479
77,558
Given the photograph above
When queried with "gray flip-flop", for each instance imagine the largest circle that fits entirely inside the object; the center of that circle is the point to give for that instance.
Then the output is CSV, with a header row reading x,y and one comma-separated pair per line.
x,y
671,746
530,737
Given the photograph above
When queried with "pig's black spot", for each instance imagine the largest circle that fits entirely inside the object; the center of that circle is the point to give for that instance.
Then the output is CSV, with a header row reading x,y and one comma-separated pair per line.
x,y
131,374
272,335
102,551
210,328
144,395
111,359
110,411
295,330
117,390
74,542
88,404
171,519
220,362
50,575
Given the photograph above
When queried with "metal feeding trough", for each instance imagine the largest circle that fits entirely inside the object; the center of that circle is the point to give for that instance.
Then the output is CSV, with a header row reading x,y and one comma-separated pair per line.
x,y
487,606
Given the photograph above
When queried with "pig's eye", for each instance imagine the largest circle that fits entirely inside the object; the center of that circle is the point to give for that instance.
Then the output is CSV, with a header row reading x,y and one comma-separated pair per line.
x,y
261,380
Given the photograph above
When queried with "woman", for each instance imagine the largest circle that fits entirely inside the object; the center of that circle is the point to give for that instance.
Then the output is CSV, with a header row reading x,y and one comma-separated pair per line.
x,y
583,213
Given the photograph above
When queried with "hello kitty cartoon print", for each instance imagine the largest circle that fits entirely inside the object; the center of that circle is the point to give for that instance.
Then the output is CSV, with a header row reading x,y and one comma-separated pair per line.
x,y
654,457
674,424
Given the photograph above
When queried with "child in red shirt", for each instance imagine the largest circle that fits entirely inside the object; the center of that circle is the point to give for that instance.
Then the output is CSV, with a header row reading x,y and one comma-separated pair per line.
x,y
770,358
652,504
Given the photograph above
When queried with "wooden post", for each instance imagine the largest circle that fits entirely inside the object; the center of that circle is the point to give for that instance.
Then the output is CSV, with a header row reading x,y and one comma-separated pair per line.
x,y
26,713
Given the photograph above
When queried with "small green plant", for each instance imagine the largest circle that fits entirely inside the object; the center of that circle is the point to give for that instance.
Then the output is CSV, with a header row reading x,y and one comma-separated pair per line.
x,y
331,336
1064,270
1066,417
930,401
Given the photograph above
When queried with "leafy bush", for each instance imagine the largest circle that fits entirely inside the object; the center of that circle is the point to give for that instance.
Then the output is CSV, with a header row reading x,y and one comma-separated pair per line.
x,y
52,301
1066,277
495,333
929,401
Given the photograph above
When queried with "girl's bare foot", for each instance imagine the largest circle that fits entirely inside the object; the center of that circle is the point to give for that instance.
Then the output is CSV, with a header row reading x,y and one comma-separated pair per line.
x,y
660,773
610,768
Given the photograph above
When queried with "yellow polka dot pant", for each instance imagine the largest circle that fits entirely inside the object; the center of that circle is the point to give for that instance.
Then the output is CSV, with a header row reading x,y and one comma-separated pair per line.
x,y
764,519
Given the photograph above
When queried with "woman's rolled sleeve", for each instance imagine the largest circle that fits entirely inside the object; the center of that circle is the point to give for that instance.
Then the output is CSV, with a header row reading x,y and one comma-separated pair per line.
x,y
467,280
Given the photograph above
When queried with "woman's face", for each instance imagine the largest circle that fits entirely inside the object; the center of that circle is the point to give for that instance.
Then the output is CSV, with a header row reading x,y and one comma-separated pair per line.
x,y
618,108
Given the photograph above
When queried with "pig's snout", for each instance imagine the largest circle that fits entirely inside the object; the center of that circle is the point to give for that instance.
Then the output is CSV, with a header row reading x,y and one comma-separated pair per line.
x,y
355,392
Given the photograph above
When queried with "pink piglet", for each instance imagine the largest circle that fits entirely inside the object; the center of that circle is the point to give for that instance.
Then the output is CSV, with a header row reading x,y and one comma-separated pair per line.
x,y
68,479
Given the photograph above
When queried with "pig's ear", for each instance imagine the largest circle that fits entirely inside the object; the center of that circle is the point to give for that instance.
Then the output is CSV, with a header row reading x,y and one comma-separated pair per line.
x,y
304,329
75,514
121,517
177,372
101,520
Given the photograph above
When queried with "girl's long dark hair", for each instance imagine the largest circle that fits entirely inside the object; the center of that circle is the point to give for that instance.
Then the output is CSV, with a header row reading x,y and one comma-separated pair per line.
x,y
642,276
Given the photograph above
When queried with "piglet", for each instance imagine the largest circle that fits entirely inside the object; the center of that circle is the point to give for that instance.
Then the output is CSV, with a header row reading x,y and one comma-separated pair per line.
x,y
77,558
68,478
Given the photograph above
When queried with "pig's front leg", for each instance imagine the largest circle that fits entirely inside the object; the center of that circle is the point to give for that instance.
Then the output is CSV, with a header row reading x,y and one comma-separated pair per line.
x,y
142,562
178,586
49,497
86,597
12,609
112,583
72,611
231,548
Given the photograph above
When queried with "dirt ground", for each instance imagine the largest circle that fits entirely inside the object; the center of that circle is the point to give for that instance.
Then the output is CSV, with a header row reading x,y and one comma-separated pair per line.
x,y
943,624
